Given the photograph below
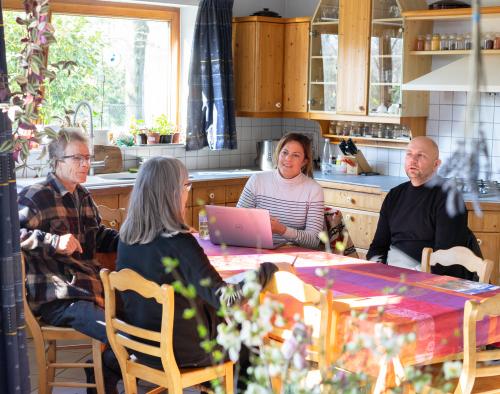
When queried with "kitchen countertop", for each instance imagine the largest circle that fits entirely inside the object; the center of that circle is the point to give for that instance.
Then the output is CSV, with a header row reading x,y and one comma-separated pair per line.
x,y
383,182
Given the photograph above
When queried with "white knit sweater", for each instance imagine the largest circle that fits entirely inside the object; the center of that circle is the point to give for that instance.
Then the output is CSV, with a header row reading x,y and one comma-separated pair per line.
x,y
298,203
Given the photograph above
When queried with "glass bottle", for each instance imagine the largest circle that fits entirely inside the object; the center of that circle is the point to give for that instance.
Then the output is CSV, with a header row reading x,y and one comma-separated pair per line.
x,y
435,43
468,41
428,42
444,43
420,45
325,159
460,45
203,225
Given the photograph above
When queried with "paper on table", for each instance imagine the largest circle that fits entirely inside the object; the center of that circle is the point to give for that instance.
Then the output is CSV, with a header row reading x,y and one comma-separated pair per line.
x,y
461,285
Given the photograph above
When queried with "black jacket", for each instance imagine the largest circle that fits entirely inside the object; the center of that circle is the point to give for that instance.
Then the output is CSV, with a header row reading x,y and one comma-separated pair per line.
x,y
193,266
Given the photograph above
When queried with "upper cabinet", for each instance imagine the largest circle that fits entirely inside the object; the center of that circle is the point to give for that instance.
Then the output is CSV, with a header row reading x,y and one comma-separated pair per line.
x,y
360,57
270,60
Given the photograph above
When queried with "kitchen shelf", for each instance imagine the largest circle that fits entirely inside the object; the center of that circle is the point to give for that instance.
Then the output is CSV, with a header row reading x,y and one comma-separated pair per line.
x,y
455,52
449,14
324,57
387,56
322,83
385,83
400,20
332,22
373,142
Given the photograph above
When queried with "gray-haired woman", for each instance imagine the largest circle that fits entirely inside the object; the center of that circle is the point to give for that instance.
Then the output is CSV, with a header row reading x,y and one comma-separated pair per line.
x,y
155,229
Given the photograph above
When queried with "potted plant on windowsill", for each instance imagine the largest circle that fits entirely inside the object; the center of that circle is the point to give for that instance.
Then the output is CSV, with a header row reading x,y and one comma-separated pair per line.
x,y
164,128
138,131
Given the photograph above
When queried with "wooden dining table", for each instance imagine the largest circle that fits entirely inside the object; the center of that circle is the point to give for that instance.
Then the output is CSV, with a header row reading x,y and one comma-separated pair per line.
x,y
398,302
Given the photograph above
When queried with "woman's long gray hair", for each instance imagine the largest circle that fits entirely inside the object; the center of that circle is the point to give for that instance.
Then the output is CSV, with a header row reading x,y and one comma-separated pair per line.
x,y
155,205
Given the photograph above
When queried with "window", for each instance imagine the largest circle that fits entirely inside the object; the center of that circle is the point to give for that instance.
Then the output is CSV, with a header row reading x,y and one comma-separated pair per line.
x,y
127,56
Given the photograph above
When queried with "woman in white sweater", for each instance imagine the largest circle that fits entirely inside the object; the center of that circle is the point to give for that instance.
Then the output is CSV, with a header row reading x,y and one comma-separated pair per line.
x,y
294,200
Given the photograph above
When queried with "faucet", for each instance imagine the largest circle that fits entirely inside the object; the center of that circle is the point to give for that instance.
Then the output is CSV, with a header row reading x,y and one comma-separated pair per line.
x,y
93,164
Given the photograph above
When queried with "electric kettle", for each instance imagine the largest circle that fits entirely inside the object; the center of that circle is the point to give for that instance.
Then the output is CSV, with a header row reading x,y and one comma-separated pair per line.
x,y
265,154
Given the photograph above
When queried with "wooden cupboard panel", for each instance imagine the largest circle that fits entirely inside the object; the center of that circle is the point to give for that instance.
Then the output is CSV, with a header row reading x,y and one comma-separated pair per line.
x,y
489,222
188,216
244,59
269,67
490,248
123,201
361,226
108,200
233,192
209,194
353,59
296,68
352,199
231,204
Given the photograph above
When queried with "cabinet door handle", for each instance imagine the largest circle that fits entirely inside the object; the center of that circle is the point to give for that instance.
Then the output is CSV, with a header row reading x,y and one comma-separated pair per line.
x,y
112,223
211,196
350,200
278,105
479,241
349,218
361,108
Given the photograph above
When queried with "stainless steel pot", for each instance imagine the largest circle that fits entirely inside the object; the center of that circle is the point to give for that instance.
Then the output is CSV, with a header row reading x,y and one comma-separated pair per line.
x,y
265,153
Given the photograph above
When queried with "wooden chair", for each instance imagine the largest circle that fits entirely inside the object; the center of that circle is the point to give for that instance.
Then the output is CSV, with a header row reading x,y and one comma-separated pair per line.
x,y
457,255
45,339
474,312
120,336
112,217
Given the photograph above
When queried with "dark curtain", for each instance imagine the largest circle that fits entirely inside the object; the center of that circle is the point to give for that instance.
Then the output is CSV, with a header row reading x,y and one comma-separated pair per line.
x,y
211,119
14,369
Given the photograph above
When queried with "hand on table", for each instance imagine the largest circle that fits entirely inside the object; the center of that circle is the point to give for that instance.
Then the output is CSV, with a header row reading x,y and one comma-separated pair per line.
x,y
68,244
277,227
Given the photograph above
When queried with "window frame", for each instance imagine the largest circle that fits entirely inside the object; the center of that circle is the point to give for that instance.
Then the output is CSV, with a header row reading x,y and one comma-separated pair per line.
x,y
124,10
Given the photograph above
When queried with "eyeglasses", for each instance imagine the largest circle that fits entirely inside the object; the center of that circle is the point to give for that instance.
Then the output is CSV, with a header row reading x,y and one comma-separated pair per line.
x,y
188,186
80,159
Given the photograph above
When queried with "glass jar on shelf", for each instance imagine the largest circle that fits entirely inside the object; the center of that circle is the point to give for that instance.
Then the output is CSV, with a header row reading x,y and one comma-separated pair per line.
x,y
436,42
380,131
459,43
452,42
338,128
368,129
488,41
354,129
444,43
468,41
497,41
345,129
428,42
332,127
420,44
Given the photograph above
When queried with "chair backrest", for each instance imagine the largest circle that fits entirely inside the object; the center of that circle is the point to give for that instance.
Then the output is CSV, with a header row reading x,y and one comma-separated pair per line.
x,y
122,335
112,217
314,306
31,320
338,234
457,255
474,312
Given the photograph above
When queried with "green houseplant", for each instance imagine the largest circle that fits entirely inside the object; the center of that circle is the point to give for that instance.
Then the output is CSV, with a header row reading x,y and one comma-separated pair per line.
x,y
136,128
164,128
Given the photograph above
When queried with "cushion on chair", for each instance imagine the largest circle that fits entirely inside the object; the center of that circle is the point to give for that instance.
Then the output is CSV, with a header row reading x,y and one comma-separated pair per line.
x,y
337,233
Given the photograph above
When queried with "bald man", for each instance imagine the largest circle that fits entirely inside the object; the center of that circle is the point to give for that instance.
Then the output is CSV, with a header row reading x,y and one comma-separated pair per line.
x,y
413,215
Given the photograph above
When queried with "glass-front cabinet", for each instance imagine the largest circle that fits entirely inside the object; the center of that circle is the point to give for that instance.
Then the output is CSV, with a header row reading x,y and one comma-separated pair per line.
x,y
323,60
386,59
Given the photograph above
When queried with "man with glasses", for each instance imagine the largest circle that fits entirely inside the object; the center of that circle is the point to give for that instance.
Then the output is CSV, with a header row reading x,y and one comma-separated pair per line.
x,y
61,232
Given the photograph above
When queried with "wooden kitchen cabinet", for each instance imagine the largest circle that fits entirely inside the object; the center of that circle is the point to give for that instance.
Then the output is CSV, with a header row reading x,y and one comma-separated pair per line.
x,y
486,228
112,197
360,207
270,62
225,192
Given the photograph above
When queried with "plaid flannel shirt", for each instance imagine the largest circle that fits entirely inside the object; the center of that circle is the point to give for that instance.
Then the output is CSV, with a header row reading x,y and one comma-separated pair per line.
x,y
46,211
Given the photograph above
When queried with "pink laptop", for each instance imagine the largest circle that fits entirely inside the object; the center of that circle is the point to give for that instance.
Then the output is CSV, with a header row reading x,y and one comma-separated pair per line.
x,y
250,227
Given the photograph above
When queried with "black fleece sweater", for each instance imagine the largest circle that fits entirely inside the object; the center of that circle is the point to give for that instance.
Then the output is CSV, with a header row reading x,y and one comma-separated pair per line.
x,y
146,259
413,218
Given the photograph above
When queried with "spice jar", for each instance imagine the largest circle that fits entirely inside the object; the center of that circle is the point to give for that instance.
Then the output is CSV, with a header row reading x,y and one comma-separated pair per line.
x,y
338,128
435,43
497,41
420,46
428,42
332,127
488,41
380,130
459,45
443,43
468,41
452,42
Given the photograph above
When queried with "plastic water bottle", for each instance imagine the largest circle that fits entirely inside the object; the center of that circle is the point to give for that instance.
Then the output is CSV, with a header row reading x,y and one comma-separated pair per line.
x,y
203,225
326,167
